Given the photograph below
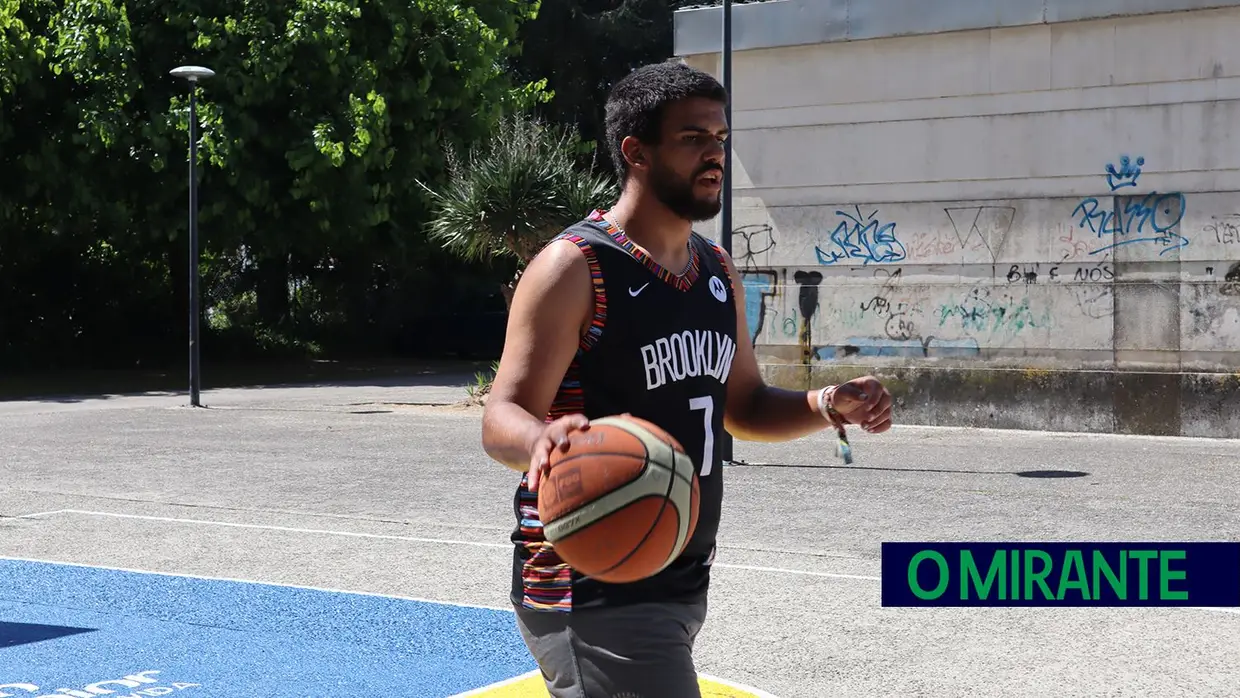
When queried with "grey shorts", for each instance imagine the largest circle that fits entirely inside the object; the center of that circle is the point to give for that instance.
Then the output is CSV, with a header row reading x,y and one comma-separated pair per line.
x,y
639,651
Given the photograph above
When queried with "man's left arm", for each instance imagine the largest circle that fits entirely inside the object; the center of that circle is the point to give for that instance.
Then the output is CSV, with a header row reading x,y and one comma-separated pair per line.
x,y
760,412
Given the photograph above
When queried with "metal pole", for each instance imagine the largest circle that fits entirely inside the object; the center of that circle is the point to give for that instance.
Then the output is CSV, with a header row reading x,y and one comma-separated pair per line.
x,y
195,380
192,74
725,222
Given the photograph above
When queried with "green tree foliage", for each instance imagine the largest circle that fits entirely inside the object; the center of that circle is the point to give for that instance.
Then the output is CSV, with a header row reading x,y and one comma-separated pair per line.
x,y
513,192
582,47
322,118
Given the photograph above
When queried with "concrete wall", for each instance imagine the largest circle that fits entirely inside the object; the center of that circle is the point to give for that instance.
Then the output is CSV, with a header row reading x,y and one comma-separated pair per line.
x,y
1055,196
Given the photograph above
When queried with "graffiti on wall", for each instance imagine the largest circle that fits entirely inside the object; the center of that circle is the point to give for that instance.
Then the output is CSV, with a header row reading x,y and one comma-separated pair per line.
x,y
1131,220
748,242
861,237
1225,229
986,280
1231,281
901,312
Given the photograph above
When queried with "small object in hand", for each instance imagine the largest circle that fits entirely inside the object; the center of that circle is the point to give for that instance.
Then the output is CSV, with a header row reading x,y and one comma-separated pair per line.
x,y
843,450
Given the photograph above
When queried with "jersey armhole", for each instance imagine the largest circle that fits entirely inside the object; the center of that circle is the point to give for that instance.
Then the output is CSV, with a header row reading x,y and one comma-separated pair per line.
x,y
599,318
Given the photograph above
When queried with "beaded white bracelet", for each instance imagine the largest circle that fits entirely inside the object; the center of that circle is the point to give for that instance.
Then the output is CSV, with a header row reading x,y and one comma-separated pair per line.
x,y
824,404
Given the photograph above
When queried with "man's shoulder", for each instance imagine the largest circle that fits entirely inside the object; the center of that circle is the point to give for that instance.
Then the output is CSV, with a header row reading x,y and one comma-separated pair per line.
x,y
572,256
584,234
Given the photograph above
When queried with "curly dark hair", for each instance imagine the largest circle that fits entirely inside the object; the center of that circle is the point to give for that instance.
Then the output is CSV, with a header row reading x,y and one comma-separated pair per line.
x,y
636,103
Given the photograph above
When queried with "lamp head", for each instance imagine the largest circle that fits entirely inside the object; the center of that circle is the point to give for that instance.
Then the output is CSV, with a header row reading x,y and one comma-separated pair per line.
x,y
193,73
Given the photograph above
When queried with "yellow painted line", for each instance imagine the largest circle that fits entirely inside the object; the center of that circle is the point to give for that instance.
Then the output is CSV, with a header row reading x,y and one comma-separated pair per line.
x,y
531,686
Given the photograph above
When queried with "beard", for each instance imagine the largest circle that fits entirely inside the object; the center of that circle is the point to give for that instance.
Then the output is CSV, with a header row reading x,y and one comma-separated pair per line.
x,y
679,197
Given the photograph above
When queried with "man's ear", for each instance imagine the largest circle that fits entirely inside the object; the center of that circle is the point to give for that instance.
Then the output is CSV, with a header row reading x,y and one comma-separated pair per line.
x,y
634,152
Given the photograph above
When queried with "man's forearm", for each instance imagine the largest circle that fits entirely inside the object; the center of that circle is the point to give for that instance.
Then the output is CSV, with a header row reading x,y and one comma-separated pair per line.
x,y
508,432
776,414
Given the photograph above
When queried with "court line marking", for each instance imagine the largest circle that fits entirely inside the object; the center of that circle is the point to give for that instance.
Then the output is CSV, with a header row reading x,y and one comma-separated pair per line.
x,y
493,686
786,570
411,539
256,582
378,518
505,530
726,565
1039,433
290,529
756,692
40,513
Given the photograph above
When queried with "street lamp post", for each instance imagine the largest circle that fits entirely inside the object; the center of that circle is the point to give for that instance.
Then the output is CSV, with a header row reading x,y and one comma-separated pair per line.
x,y
725,222
193,74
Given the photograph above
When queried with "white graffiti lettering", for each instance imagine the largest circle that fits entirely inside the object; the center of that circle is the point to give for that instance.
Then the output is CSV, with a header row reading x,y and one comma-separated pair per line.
x,y
101,688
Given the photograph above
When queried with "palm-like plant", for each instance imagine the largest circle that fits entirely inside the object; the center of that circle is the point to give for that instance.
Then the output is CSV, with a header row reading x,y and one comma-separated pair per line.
x,y
514,192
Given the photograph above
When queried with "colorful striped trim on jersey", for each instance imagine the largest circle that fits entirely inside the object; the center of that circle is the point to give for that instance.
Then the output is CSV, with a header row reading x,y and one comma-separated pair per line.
x,y
547,581
568,398
719,254
681,282
600,292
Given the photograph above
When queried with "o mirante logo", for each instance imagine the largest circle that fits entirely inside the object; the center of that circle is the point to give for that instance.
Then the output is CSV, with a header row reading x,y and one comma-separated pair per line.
x,y
1061,574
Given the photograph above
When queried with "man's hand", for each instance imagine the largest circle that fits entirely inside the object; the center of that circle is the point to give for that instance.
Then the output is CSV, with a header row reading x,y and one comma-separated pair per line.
x,y
866,402
554,436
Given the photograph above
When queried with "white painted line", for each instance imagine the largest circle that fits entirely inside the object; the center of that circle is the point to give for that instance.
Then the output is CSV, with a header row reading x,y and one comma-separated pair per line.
x,y
1038,434
441,541
289,529
1220,610
446,541
785,570
289,512
41,513
259,582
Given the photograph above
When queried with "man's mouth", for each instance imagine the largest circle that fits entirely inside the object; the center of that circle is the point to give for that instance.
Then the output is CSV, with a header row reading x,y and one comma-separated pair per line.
x,y
712,177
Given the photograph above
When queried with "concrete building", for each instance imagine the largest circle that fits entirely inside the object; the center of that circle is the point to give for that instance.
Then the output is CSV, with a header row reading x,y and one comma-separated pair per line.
x,y
1022,213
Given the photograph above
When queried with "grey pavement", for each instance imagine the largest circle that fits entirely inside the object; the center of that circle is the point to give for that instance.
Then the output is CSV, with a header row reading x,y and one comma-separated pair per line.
x,y
364,488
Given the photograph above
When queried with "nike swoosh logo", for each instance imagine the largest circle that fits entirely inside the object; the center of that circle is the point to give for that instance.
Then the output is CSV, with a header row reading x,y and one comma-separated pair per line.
x,y
643,288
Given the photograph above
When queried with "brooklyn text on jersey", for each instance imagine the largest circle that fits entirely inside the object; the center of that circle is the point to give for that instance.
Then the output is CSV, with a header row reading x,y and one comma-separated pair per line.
x,y
688,354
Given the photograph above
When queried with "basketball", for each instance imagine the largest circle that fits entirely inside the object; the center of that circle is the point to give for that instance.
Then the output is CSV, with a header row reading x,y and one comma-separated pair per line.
x,y
622,502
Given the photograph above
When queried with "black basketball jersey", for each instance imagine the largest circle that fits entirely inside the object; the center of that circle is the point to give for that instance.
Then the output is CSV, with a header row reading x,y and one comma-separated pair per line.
x,y
660,347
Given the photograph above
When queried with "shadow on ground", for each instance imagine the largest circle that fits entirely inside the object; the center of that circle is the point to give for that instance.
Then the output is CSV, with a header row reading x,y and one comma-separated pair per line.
x,y
14,634
75,386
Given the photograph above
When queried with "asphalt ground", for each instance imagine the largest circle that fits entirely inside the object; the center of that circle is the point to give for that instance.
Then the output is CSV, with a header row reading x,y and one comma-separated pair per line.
x,y
352,498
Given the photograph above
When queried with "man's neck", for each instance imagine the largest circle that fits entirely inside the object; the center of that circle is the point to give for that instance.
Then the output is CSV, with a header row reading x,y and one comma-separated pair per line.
x,y
649,224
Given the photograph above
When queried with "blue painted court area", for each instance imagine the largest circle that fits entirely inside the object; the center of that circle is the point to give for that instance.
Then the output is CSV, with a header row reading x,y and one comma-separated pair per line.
x,y
67,627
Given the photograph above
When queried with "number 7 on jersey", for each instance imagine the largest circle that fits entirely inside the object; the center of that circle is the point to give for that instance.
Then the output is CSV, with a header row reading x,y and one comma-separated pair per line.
x,y
707,404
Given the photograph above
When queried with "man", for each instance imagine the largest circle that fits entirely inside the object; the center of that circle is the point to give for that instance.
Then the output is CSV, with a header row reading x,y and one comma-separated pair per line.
x,y
631,311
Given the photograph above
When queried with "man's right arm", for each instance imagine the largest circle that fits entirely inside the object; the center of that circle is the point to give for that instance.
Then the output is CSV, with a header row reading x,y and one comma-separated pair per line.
x,y
552,305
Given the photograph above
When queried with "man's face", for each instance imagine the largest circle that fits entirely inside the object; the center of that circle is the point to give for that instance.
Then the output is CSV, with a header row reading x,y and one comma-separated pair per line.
x,y
686,168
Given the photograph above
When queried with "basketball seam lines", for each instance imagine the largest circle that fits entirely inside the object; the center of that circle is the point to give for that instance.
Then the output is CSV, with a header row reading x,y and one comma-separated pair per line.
x,y
675,474
671,483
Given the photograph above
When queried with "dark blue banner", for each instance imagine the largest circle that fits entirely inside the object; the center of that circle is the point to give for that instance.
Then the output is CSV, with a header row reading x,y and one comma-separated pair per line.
x,y
1061,574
